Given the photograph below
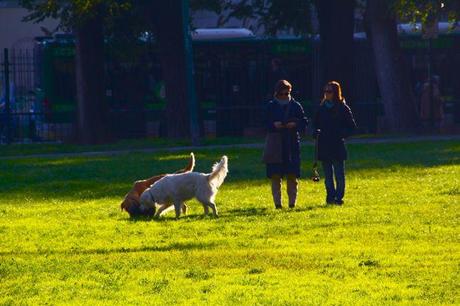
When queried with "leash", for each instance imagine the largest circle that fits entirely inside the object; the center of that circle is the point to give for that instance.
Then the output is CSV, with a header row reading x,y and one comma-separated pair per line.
x,y
315,175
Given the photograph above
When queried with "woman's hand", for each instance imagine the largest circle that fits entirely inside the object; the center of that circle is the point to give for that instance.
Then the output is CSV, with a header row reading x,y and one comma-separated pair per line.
x,y
291,125
278,124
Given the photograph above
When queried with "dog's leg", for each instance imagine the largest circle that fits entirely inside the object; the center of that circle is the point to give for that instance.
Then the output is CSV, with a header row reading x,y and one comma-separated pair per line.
x,y
206,209
184,208
177,207
213,207
162,208
206,198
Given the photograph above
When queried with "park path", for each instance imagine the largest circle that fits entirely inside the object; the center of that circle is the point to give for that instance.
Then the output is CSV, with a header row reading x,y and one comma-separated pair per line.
x,y
376,140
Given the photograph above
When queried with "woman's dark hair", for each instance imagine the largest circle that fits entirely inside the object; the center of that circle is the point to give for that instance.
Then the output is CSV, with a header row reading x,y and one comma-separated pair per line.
x,y
336,90
282,85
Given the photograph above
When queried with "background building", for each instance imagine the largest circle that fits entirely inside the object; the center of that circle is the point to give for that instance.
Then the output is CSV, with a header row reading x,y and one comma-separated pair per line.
x,y
14,32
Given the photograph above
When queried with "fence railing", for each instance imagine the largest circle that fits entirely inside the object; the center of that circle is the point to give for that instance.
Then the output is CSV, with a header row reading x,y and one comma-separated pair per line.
x,y
26,117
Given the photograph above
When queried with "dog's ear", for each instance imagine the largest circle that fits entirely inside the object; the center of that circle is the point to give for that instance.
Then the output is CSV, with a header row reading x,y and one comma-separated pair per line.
x,y
126,204
139,187
123,205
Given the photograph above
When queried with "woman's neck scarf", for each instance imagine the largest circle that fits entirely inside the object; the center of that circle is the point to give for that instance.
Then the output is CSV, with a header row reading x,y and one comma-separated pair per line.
x,y
329,104
282,101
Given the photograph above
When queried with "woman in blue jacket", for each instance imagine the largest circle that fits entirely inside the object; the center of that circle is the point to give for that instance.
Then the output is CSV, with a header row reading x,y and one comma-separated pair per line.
x,y
333,123
285,116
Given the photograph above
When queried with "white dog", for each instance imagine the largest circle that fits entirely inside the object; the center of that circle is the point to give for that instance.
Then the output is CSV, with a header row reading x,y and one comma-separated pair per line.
x,y
178,188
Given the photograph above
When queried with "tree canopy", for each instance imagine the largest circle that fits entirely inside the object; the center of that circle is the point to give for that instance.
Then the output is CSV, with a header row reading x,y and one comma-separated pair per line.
x,y
72,13
274,15
427,10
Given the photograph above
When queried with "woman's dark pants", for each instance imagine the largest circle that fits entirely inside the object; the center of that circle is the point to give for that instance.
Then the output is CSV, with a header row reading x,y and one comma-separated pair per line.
x,y
334,168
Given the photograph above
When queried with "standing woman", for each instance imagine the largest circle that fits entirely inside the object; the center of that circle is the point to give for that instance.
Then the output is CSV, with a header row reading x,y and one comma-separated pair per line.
x,y
285,116
333,123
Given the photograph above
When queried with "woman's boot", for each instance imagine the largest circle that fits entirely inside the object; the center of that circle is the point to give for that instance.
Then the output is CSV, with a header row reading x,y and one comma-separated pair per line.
x,y
276,191
292,184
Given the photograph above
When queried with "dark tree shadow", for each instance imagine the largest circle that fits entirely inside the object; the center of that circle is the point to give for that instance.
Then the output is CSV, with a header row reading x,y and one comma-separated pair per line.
x,y
249,211
90,178
187,246
169,217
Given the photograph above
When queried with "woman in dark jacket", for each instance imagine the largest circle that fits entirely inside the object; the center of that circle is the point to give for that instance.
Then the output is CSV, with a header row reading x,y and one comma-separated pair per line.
x,y
285,116
333,123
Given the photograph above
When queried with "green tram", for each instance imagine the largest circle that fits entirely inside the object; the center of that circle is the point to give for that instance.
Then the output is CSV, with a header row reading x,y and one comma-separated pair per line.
x,y
234,78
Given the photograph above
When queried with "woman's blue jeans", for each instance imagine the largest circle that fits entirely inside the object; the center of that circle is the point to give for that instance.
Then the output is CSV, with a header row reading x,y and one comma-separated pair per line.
x,y
334,168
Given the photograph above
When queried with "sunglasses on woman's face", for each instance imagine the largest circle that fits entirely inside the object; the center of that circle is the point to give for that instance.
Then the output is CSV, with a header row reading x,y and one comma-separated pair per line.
x,y
328,91
284,94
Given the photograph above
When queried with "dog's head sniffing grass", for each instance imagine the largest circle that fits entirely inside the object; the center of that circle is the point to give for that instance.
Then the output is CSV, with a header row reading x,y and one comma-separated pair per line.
x,y
135,210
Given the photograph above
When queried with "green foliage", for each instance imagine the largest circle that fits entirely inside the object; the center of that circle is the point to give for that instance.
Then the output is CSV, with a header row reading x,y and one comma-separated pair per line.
x,y
123,16
427,10
215,6
65,241
72,13
273,15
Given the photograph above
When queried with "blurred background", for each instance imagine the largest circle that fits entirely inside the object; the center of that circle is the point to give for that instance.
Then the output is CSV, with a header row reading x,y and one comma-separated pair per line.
x,y
132,69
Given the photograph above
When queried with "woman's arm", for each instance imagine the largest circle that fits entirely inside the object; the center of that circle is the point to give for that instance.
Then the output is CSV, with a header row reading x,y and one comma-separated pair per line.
x,y
316,124
302,121
297,117
270,117
348,122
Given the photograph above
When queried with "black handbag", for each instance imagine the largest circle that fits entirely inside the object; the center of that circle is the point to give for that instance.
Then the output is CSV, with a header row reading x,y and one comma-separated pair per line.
x,y
273,148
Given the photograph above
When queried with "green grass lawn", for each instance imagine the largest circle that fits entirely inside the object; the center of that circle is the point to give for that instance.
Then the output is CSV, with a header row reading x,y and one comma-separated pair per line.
x,y
64,239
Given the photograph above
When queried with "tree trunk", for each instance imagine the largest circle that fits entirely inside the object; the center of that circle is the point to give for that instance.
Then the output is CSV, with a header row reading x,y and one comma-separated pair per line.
x,y
336,27
93,110
169,30
391,69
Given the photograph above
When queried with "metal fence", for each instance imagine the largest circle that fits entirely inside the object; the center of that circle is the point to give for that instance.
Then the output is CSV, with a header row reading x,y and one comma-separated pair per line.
x,y
22,117
28,115
16,98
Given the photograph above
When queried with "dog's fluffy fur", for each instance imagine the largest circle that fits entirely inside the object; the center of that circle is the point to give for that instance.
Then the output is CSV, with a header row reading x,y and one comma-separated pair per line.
x,y
131,202
175,189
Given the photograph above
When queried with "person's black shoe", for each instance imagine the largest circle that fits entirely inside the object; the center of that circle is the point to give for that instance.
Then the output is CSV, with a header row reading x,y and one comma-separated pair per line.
x,y
338,202
330,201
278,207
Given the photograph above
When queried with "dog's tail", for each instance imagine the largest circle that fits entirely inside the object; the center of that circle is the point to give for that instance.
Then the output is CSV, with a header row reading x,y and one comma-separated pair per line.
x,y
219,172
190,166
140,186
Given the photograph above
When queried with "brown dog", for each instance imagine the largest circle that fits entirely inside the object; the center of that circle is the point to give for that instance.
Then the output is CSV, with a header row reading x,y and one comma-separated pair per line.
x,y
131,202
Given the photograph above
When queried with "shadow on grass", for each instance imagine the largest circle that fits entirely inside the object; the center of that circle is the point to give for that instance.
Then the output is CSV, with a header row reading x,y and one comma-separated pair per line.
x,y
77,179
238,212
168,218
257,211
250,211
187,246
308,207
